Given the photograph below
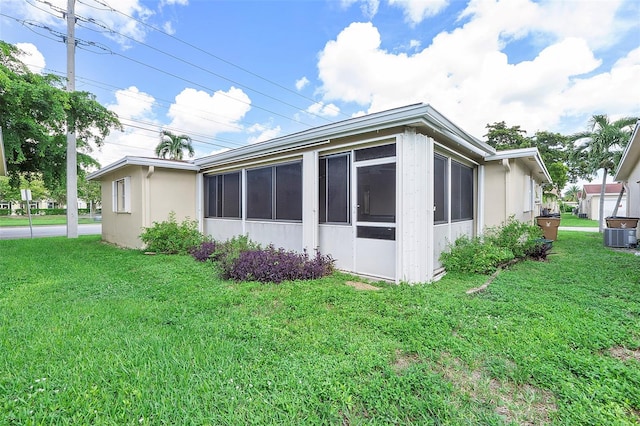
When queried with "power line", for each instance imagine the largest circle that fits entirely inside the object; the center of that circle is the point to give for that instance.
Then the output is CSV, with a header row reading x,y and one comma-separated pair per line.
x,y
108,7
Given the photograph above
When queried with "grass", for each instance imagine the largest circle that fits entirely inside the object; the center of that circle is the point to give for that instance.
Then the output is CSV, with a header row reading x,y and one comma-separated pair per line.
x,y
38,220
93,334
569,219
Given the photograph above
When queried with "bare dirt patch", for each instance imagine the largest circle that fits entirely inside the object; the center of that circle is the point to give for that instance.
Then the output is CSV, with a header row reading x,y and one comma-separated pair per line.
x,y
361,286
624,354
403,361
522,404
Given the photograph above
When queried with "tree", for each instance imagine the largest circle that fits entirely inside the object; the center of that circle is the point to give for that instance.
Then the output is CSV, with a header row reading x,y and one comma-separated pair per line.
x,y
552,147
173,145
502,137
572,193
90,192
554,150
600,147
35,112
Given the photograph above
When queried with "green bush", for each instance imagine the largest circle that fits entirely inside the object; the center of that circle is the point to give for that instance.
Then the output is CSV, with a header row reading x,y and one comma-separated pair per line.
x,y
519,237
172,237
227,252
5,212
474,255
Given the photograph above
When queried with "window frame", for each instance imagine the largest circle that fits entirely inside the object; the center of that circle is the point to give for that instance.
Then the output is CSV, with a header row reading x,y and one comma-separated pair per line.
x,y
460,212
223,187
274,194
124,195
328,190
445,191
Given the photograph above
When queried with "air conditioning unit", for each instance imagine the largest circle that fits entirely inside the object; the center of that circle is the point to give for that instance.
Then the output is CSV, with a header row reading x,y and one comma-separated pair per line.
x,y
619,237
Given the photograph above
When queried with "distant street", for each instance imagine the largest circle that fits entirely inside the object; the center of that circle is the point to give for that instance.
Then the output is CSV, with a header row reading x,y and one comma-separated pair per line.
x,y
15,232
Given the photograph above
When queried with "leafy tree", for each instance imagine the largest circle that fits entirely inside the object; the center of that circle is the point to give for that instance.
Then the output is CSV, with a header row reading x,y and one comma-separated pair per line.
x,y
552,148
35,113
173,145
600,147
12,194
502,137
90,191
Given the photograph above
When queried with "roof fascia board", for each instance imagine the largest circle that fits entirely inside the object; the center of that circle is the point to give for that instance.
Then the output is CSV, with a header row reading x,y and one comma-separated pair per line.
x,y
522,153
142,161
411,115
630,156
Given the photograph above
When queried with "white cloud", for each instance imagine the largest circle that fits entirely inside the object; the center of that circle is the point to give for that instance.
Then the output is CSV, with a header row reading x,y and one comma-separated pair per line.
x,y
198,112
264,132
302,83
415,11
466,74
141,128
49,13
324,110
168,28
369,8
31,57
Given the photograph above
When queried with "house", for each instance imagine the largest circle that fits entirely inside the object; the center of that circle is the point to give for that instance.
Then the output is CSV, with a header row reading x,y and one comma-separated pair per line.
x,y
138,191
589,201
628,174
383,194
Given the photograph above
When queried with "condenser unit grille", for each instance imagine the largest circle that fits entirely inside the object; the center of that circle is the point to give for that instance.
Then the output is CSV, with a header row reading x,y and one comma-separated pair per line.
x,y
619,237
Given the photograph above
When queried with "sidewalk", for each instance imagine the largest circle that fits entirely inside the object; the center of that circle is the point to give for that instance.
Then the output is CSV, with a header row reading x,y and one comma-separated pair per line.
x,y
578,228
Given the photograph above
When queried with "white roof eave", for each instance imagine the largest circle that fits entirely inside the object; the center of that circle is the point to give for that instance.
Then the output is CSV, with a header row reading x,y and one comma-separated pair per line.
x,y
630,156
532,152
412,115
142,161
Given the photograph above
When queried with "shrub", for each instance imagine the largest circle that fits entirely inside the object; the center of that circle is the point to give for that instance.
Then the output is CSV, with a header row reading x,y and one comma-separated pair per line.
x,y
204,251
540,250
519,237
228,251
172,237
475,255
277,265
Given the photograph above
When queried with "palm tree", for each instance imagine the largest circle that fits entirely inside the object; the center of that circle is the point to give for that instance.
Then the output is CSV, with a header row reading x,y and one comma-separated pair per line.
x,y
572,193
600,147
173,145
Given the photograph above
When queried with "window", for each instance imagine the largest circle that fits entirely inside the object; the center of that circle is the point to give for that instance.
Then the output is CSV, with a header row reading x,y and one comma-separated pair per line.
x,y
381,151
275,192
121,190
440,189
222,196
4,206
529,193
377,193
335,181
461,192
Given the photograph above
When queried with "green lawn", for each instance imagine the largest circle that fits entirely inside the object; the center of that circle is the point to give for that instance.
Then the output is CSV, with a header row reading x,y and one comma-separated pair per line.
x,y
568,219
41,220
94,334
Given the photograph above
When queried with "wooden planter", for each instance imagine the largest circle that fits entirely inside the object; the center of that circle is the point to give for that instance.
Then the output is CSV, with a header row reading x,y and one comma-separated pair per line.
x,y
622,222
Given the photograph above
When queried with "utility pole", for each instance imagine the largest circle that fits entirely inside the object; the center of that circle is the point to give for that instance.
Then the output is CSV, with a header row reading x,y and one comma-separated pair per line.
x,y
72,157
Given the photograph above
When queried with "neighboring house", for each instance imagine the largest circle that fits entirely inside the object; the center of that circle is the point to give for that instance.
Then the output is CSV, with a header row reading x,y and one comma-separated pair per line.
x,y
590,200
628,173
137,191
383,194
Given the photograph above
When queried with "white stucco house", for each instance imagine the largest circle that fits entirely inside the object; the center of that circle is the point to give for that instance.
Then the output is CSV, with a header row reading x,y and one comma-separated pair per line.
x,y
628,174
383,194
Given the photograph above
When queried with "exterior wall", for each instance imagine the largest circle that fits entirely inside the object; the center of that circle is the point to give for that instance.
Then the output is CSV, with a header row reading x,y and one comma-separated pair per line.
x,y
153,195
509,193
592,205
123,229
169,190
633,195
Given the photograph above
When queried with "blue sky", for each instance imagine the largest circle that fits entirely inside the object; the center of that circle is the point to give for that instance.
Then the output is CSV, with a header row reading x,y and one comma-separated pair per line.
x,y
229,73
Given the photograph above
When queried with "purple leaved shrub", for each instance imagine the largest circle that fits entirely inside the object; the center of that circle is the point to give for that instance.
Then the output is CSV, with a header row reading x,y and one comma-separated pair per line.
x,y
204,251
271,265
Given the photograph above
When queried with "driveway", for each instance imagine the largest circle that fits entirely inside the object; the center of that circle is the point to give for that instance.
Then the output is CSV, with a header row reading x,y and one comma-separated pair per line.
x,y
15,232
